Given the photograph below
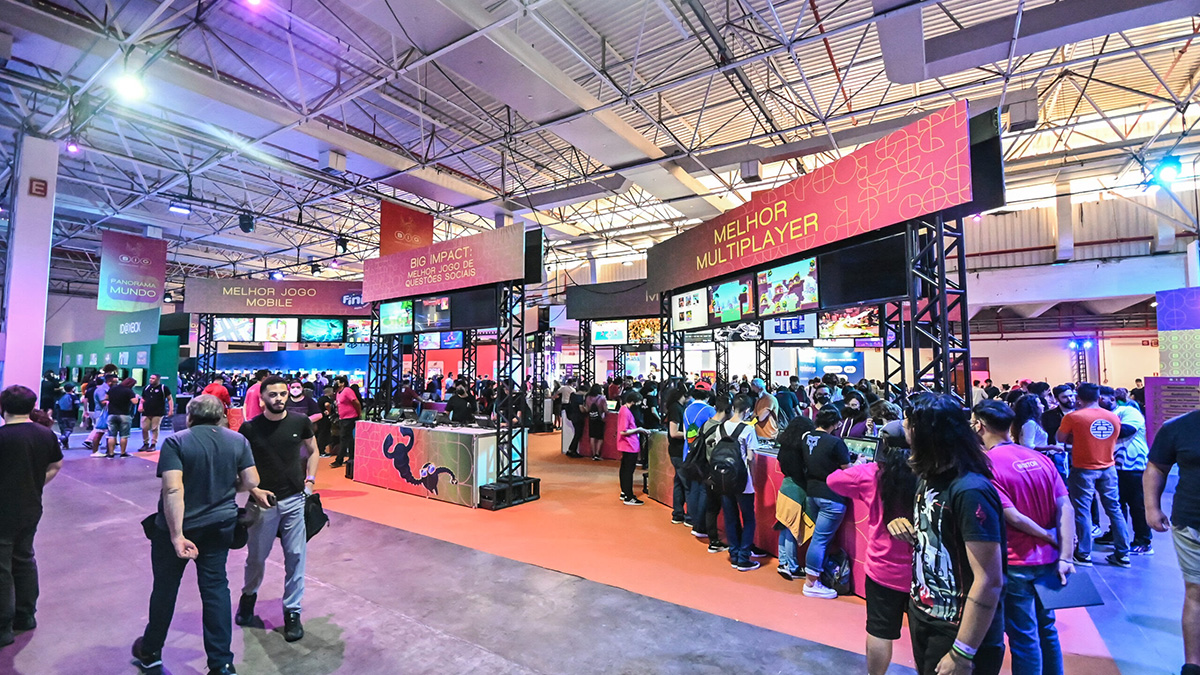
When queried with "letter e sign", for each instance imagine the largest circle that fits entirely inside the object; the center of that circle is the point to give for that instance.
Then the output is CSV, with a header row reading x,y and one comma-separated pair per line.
x,y
38,187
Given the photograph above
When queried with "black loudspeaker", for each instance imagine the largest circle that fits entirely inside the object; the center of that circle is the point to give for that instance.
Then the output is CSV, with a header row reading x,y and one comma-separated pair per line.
x,y
246,222
534,253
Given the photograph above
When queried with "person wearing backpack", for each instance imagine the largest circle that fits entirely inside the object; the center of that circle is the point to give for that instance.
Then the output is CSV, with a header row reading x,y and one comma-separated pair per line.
x,y
66,410
729,473
824,454
597,407
704,445
630,445
695,461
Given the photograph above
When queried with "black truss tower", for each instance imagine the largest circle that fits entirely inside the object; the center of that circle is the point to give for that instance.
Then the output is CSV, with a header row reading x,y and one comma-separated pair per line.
x,y
418,365
470,356
619,359
895,375
510,348
935,297
762,360
540,366
722,349
587,353
670,343
206,350
380,385
1079,363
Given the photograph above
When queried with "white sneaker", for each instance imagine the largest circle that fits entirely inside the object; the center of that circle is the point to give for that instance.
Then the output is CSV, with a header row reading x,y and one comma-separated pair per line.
x,y
98,453
819,590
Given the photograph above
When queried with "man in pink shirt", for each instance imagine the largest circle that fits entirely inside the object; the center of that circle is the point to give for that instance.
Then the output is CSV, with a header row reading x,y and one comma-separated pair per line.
x,y
349,410
252,404
1041,533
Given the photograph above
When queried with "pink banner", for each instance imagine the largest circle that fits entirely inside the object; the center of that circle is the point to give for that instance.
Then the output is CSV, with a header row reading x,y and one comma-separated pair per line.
x,y
487,258
133,272
286,298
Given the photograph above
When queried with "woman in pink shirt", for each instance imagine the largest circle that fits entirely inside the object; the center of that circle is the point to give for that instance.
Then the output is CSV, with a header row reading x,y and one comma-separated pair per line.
x,y
888,486
630,445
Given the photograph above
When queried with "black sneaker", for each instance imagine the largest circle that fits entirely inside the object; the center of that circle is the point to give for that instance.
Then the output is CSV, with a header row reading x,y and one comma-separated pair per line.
x,y
1082,560
676,521
146,663
783,572
632,501
1105,539
336,465
245,610
756,552
718,547
292,628
23,623
1142,549
746,565
1118,560
223,670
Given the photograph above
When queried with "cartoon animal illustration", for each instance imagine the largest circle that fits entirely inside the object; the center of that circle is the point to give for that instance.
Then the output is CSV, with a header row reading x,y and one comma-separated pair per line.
x,y
398,453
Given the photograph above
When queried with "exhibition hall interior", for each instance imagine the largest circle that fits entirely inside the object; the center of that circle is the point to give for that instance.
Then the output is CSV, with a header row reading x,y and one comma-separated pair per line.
x,y
332,328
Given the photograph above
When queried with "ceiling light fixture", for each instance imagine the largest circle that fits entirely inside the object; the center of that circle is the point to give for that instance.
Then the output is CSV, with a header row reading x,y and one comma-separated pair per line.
x,y
978,217
1167,170
334,263
316,269
72,146
277,276
343,244
628,263
246,222
129,87
180,209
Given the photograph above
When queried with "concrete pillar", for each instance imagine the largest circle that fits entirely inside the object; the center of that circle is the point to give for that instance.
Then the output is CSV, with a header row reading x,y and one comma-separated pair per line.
x,y
1065,230
1164,231
1193,264
27,279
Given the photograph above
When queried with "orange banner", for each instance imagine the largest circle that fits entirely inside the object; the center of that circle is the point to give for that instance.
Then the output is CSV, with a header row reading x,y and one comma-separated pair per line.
x,y
403,229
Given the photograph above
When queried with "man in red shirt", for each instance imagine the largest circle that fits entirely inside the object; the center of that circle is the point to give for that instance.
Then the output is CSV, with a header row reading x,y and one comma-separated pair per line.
x,y
1092,431
217,388
252,403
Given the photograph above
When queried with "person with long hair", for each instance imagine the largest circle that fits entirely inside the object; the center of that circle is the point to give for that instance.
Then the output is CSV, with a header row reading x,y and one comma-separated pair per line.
x,y
954,615
888,486
596,406
790,502
855,413
1027,423
629,443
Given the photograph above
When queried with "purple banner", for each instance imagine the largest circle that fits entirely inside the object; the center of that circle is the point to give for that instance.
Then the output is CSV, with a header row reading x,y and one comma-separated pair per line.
x,y
133,272
1179,309
254,297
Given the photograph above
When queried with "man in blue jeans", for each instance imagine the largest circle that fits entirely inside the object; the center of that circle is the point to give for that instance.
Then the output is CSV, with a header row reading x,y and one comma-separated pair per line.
x,y
695,416
825,453
1040,528
738,509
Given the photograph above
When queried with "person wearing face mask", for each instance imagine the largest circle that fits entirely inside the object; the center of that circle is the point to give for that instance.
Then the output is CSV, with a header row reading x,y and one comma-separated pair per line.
x,y
821,398
301,402
855,419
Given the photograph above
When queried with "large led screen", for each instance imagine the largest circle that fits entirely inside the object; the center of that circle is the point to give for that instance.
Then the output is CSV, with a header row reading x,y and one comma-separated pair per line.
x,y
451,339
788,288
321,330
609,333
396,317
870,272
644,331
275,329
689,310
358,330
852,322
427,341
233,329
803,327
731,301
432,313
474,309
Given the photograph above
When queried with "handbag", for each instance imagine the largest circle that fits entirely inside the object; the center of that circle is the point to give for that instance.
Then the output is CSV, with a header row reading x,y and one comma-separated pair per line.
x,y
241,529
315,518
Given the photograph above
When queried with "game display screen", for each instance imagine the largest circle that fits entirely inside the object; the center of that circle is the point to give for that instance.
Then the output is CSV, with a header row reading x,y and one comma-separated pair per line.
x,y
432,313
396,317
427,341
321,330
788,288
275,329
233,329
358,330
852,322
452,339
689,310
731,301
609,333
644,331
803,327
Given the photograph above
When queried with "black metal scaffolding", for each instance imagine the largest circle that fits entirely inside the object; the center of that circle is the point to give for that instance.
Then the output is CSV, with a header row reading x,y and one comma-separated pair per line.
x,y
619,362
470,355
206,349
936,297
510,355
587,355
670,343
762,360
721,348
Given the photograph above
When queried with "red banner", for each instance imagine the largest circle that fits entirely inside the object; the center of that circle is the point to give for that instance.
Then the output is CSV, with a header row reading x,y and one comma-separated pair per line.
x,y
923,168
133,272
403,229
279,298
487,258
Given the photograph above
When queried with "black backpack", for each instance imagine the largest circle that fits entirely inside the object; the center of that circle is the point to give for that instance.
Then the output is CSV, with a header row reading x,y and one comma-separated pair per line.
x,y
695,467
594,412
726,468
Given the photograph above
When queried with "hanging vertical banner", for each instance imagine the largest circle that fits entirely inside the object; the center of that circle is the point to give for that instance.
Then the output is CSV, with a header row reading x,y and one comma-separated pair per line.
x,y
403,229
133,272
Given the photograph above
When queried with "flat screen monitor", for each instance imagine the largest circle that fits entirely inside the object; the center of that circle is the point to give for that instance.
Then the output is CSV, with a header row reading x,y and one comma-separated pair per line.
x,y
276,329
788,288
609,333
474,309
644,331
233,329
396,317
432,313
803,327
731,301
322,330
689,310
451,339
612,406
864,448
427,341
358,330
869,272
851,322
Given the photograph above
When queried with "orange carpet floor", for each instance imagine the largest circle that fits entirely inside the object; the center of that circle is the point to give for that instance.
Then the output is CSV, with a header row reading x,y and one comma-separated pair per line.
x,y
579,527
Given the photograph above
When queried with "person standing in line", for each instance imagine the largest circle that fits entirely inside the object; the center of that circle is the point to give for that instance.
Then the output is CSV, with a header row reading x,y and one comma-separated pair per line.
x,y
30,457
824,454
1092,432
327,427
202,469
766,410
792,496
1066,400
629,443
695,416
1040,531
120,401
789,405
1138,393
285,451
349,409
990,389
738,508
1178,443
955,616
251,400
156,402
801,394
563,397
66,411
596,406
1130,458
677,402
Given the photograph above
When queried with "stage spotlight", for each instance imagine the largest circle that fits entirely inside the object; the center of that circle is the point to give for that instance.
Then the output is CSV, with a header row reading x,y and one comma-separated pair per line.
x,y
334,263
1167,170
180,209
316,269
72,147
246,222
343,244
277,276
1073,344
129,87
1087,344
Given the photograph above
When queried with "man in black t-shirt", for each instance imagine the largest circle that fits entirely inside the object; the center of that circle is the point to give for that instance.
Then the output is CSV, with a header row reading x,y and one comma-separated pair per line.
x,y
120,401
824,454
30,457
676,439
285,452
156,403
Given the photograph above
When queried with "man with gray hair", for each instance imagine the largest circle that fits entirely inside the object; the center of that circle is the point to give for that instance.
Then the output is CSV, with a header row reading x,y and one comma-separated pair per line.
x,y
202,469
766,410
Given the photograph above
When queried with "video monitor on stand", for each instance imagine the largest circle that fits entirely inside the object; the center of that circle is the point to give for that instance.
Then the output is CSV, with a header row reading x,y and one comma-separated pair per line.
x,y
731,301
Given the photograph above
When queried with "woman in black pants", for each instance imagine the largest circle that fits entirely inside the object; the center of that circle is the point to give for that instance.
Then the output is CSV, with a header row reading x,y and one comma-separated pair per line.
x,y
629,443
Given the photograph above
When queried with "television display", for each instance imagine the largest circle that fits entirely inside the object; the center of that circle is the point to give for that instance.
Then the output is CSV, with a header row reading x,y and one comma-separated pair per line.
x,y
851,322
731,301
396,317
322,330
427,341
432,313
803,327
452,339
644,331
233,329
609,333
474,309
788,288
689,310
276,329
870,272
358,330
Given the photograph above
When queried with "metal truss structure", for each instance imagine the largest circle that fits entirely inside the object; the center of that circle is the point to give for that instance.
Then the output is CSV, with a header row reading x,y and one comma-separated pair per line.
x,y
510,354
587,353
470,355
418,366
670,343
721,348
1079,364
619,362
206,349
762,360
894,328
385,368
541,342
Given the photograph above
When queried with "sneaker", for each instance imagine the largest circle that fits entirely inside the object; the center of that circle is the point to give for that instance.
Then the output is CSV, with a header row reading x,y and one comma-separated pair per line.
x,y
245,609
337,465
1105,539
676,521
718,547
223,670
147,664
1096,531
1142,549
1118,560
292,628
21,624
747,565
818,590
632,501
595,458
98,453
88,445
1082,560
124,454
699,535
756,552
144,448
785,573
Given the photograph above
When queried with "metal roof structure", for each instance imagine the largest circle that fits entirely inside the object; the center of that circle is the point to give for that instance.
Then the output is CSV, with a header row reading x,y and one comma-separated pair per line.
x,y
611,123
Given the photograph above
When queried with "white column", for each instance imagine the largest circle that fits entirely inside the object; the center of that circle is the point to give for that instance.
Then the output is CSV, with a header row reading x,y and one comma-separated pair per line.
x,y
1193,264
1065,224
27,278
